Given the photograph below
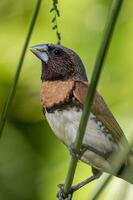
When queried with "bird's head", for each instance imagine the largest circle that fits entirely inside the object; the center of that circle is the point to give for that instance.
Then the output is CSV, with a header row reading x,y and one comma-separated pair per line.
x,y
59,63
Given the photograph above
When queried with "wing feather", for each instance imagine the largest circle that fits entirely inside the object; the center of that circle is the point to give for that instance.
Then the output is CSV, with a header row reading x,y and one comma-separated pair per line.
x,y
101,111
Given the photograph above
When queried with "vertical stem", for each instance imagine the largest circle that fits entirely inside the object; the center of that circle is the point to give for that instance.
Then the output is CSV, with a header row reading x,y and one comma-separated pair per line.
x,y
19,67
93,84
101,188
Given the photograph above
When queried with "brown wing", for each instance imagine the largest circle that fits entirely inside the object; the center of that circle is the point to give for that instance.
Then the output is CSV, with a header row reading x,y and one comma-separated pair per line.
x,y
101,111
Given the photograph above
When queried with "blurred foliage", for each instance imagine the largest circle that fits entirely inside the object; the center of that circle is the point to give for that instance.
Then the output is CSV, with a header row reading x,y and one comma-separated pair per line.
x,y
32,160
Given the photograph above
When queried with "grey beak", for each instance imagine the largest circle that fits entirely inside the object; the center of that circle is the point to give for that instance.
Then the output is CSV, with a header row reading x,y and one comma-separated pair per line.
x,y
41,51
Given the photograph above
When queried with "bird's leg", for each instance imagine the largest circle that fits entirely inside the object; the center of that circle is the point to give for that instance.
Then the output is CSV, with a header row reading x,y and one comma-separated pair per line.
x,y
83,149
60,195
96,175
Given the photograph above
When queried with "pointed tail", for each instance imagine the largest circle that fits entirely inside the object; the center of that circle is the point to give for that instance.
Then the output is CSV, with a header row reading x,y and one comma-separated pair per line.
x,y
126,170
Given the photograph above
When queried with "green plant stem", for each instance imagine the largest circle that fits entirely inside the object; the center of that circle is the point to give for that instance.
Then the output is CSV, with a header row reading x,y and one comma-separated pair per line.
x,y
90,95
107,180
19,67
101,188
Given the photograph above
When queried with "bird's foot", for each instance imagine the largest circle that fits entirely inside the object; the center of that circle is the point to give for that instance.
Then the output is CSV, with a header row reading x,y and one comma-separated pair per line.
x,y
74,188
75,155
61,195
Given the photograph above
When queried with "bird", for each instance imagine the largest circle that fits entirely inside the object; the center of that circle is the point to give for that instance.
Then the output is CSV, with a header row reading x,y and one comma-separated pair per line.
x,y
63,91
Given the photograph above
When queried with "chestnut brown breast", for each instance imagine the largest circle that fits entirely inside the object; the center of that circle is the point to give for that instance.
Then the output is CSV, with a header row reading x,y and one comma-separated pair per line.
x,y
55,92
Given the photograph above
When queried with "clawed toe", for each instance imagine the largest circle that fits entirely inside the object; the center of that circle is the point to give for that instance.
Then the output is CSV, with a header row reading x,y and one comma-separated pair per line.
x,y
73,152
60,194
61,186
75,155
61,197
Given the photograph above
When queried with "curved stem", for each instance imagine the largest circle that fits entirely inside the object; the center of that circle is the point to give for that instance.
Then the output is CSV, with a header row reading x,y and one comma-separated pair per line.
x,y
93,84
19,67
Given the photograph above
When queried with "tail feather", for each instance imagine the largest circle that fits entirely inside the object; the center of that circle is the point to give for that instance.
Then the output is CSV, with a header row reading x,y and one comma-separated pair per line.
x,y
126,170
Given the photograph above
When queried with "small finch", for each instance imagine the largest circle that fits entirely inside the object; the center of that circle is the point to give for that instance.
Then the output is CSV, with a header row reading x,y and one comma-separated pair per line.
x,y
63,92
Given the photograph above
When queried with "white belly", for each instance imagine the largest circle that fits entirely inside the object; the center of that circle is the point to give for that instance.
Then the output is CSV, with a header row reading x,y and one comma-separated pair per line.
x,y
65,124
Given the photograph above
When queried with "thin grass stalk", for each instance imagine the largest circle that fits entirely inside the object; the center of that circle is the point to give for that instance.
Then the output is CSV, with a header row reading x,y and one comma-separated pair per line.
x,y
116,5
102,187
19,67
107,180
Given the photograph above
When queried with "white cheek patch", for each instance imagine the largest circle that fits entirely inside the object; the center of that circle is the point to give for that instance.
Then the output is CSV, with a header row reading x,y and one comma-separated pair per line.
x,y
44,57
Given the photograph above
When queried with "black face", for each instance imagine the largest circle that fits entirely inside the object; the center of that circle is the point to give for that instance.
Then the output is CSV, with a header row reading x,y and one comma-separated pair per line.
x,y
59,63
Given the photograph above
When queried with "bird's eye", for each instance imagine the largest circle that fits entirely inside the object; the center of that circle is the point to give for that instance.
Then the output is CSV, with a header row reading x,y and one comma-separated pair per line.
x,y
57,52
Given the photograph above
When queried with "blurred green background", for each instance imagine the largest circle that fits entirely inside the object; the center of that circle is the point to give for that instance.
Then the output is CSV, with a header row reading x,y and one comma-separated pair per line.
x,y
32,160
